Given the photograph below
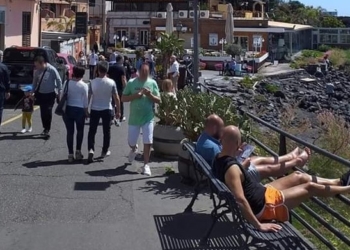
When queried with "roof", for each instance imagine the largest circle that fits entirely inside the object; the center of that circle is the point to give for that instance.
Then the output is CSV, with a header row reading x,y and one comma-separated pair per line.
x,y
289,26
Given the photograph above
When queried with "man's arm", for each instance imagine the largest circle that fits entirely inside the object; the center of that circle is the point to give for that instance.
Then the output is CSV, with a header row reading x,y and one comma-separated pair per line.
x,y
58,80
117,103
128,96
154,95
233,179
6,81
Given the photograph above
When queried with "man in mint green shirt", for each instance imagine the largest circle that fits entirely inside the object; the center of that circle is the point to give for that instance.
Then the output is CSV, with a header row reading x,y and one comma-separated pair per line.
x,y
142,92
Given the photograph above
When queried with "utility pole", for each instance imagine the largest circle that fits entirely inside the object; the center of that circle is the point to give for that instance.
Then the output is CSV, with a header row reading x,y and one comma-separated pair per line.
x,y
104,32
39,33
195,45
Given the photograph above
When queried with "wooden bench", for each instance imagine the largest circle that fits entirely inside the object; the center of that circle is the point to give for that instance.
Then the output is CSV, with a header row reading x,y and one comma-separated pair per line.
x,y
225,203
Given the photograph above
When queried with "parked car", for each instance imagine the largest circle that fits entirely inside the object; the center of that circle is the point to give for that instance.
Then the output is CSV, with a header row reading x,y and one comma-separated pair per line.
x,y
20,62
69,61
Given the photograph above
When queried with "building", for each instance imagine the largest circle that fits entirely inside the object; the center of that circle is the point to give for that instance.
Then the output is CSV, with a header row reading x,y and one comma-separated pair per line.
x,y
331,13
141,23
19,23
337,37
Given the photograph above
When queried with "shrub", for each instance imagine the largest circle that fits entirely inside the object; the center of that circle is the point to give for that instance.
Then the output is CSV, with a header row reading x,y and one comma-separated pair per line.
x,y
247,82
272,88
324,48
233,50
311,53
337,58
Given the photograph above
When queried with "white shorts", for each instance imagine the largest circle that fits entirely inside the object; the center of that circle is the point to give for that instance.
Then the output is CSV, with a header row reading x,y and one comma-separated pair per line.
x,y
134,133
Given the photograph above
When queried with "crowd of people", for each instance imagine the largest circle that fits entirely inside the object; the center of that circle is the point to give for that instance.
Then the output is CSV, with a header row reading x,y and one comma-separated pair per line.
x,y
222,147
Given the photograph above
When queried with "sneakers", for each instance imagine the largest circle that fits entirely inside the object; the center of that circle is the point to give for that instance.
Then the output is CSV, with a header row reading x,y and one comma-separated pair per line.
x,y
105,154
45,133
132,155
146,170
116,122
91,156
23,131
345,179
122,119
30,129
78,155
70,158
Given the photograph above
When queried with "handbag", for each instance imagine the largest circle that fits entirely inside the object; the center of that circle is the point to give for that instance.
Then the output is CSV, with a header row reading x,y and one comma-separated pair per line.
x,y
61,107
36,92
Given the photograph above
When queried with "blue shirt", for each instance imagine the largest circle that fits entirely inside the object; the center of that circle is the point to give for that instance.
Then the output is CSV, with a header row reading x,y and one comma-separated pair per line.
x,y
208,147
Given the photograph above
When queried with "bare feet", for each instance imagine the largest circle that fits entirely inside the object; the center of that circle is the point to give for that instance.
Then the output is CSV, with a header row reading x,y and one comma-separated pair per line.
x,y
303,157
295,153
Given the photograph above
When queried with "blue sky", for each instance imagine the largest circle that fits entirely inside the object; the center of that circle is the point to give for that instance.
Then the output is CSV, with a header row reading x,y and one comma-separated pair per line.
x,y
342,6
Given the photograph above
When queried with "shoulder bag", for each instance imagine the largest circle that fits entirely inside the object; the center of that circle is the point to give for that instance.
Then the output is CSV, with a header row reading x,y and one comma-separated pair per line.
x,y
37,94
61,107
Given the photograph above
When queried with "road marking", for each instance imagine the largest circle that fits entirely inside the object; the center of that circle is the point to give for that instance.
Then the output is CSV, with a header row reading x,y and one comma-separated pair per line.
x,y
16,117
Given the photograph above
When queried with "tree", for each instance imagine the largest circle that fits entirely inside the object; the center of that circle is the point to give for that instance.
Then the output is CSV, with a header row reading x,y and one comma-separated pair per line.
x,y
169,45
62,24
332,22
233,49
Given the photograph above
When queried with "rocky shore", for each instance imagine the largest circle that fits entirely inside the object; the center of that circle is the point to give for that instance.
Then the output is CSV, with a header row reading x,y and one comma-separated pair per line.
x,y
271,96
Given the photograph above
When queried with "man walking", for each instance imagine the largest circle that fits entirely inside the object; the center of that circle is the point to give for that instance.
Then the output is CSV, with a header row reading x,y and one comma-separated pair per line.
x,y
117,73
101,91
47,85
4,87
93,59
142,92
174,71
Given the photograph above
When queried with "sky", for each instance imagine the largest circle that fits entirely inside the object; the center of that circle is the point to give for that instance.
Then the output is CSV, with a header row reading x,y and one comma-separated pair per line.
x,y
342,6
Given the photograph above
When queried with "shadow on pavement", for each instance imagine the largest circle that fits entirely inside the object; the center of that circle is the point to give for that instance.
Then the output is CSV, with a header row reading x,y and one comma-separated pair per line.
x,y
172,188
193,228
104,185
39,164
20,136
154,158
121,170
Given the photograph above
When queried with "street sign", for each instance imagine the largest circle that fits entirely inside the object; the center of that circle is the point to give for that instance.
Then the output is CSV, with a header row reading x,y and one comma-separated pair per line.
x,y
81,23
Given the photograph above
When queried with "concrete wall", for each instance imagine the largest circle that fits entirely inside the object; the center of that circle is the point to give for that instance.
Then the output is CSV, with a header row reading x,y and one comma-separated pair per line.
x,y
12,34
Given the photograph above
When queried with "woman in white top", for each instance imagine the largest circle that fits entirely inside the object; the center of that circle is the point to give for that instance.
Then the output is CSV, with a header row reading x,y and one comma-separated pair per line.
x,y
82,59
76,111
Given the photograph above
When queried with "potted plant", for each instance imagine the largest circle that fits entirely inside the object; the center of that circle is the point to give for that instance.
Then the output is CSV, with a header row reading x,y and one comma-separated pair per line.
x,y
167,133
194,108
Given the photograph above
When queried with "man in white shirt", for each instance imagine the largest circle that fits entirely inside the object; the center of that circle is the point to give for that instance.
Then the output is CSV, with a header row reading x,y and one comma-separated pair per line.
x,y
174,72
101,91
93,59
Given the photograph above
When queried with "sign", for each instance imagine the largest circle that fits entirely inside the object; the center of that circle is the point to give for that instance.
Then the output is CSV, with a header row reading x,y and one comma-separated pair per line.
x,y
81,23
213,39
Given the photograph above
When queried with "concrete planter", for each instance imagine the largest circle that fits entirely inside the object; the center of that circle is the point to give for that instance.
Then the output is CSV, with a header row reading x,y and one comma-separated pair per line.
x,y
215,58
166,141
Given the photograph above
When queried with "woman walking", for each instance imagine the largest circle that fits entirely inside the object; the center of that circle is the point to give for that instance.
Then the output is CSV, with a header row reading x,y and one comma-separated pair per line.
x,y
76,111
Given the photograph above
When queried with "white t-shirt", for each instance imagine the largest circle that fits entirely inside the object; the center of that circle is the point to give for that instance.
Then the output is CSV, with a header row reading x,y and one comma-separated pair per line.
x,y
93,59
101,90
174,69
77,94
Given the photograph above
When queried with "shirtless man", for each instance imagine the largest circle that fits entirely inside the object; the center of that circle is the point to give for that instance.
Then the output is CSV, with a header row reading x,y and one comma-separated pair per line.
x,y
273,201
208,146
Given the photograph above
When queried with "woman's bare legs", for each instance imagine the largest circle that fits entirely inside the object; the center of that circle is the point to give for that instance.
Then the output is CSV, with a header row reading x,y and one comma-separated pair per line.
x,y
257,160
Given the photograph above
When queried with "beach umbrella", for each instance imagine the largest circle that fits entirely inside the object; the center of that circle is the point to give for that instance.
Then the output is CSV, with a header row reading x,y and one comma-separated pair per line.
x,y
169,25
229,25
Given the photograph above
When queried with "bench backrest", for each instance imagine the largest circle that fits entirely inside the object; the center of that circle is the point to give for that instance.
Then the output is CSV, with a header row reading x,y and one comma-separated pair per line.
x,y
221,189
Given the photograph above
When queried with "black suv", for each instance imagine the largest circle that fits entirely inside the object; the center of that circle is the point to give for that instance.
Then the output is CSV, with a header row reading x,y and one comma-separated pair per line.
x,y
20,62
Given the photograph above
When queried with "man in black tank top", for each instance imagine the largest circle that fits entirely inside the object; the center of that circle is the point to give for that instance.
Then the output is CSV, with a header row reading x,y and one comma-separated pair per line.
x,y
271,202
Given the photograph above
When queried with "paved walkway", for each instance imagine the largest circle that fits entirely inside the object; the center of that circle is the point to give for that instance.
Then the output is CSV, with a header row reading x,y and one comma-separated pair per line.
x,y
47,204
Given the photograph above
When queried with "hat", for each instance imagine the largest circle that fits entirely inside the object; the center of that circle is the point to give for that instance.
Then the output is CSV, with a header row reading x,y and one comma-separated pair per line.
x,y
27,88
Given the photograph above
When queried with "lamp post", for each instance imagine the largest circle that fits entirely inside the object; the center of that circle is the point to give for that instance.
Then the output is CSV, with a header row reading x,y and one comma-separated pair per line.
x,y
222,42
195,5
124,39
178,29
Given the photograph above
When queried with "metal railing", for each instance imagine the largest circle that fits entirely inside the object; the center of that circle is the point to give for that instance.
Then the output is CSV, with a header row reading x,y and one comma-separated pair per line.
x,y
283,136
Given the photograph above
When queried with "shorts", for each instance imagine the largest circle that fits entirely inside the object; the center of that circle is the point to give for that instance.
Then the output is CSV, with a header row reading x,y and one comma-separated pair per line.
x,y
274,209
253,173
134,132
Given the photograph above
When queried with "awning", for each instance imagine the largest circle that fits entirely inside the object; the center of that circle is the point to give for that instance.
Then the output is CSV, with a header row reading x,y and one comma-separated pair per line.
x,y
59,36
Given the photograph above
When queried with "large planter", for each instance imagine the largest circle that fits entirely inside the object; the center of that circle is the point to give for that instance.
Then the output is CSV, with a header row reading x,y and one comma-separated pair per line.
x,y
166,141
185,166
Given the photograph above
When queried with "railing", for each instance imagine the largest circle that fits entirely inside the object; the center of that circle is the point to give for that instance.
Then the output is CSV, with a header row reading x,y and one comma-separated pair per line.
x,y
283,136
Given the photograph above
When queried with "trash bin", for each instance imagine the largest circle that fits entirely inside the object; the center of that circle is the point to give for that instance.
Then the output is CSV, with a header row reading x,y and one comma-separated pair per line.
x,y
181,82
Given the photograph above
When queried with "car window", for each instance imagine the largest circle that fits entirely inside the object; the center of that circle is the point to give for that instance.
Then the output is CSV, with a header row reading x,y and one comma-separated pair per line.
x,y
22,54
64,59
72,60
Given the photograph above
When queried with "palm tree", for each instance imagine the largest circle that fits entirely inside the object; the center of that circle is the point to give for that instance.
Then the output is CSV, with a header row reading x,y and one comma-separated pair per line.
x,y
169,44
62,24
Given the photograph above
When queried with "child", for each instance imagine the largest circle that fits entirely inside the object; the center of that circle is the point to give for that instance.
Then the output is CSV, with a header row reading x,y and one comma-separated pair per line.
x,y
27,103
168,88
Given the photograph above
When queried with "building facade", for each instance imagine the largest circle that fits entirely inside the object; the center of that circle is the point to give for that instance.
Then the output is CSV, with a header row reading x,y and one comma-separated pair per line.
x,y
337,37
19,23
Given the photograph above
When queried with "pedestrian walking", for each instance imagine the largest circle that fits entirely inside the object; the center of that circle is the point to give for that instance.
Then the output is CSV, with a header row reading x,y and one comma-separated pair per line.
x,y
142,93
27,104
76,111
118,74
4,87
101,92
93,59
47,85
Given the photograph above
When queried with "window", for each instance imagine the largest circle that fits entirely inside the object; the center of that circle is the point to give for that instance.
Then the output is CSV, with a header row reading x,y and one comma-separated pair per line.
x,y
72,60
328,31
118,7
52,7
328,39
26,28
143,38
74,8
345,39
242,41
63,59
120,34
23,55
